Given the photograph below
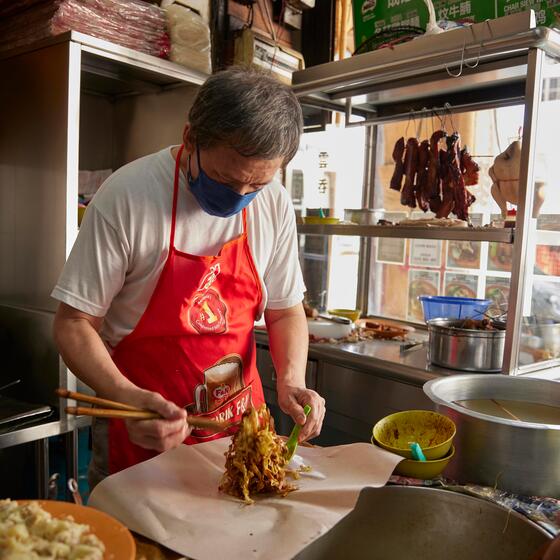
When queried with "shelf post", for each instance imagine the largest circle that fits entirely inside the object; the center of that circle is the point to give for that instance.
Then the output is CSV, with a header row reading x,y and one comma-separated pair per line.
x,y
520,275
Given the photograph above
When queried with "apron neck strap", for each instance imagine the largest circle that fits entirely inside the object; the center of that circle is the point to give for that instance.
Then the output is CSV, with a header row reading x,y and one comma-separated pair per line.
x,y
175,196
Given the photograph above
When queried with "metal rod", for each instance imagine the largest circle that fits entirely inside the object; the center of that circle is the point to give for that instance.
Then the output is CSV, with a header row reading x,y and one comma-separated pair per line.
x,y
42,468
71,452
519,273
362,292
461,108
499,235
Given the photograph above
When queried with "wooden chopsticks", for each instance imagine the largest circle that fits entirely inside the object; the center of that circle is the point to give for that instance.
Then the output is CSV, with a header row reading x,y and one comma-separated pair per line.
x,y
115,409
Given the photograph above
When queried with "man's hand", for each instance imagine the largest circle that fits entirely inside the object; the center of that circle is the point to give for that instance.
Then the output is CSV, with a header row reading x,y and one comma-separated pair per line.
x,y
159,435
292,400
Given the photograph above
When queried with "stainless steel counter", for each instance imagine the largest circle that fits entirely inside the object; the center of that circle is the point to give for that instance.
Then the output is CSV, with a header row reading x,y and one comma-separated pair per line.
x,y
384,358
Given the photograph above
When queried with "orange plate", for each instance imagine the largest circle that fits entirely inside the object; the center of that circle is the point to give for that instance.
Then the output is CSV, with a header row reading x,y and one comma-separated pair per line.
x,y
119,544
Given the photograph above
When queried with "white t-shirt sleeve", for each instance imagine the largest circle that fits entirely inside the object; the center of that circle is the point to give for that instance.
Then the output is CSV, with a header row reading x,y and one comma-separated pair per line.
x,y
283,278
96,268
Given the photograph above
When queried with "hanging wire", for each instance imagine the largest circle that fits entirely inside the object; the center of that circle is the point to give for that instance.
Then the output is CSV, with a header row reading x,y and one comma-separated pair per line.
x,y
448,108
411,118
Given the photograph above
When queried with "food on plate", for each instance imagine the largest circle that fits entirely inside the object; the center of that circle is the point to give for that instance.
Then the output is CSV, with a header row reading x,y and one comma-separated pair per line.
x,y
256,459
458,289
500,256
370,328
435,178
419,287
464,254
437,222
28,531
479,325
498,293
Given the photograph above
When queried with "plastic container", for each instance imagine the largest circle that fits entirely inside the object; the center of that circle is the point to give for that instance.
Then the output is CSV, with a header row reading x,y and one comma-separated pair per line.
x,y
449,307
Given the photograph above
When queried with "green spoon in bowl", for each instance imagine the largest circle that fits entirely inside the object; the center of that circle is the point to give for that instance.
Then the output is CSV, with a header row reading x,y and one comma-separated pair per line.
x,y
292,442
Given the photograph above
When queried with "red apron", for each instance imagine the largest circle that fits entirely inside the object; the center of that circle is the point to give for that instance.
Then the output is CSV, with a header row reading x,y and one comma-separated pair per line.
x,y
194,344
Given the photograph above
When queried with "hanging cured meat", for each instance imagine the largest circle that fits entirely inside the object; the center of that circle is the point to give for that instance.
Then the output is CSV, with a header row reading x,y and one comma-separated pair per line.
x,y
435,178
408,197
398,173
422,189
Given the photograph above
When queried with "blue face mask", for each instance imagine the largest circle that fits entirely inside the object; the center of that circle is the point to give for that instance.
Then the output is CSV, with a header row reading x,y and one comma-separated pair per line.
x,y
216,198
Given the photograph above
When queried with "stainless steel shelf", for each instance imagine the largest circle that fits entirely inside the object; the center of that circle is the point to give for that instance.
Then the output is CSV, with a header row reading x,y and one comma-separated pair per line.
x,y
116,71
499,235
42,430
387,84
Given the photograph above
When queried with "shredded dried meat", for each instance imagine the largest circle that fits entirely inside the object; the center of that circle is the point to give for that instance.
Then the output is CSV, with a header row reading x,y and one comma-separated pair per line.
x,y
256,459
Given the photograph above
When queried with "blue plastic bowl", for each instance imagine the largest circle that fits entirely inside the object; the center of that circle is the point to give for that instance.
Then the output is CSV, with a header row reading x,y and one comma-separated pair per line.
x,y
448,307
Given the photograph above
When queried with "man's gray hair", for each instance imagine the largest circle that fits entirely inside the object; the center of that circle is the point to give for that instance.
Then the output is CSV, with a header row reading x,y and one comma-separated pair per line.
x,y
248,110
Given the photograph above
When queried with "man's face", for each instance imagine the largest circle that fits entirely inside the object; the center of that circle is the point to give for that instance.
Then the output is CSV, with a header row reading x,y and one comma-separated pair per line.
x,y
243,174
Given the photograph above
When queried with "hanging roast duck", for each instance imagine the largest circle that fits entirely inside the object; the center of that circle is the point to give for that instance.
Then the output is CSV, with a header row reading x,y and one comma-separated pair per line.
x,y
505,180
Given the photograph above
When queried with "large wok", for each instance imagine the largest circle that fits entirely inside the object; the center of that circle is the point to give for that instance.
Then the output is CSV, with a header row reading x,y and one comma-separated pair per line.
x,y
399,522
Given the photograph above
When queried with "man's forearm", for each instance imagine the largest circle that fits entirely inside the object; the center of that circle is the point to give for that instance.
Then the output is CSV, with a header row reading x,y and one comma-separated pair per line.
x,y
288,341
87,357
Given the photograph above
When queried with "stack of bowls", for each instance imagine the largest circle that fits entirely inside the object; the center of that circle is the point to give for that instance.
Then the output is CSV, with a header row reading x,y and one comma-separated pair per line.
x,y
432,431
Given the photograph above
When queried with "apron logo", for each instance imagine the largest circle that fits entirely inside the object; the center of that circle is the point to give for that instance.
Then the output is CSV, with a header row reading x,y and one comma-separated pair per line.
x,y
209,278
207,313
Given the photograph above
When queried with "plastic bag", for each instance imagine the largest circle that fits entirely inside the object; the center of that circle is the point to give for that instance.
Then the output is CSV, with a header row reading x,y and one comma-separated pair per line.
x,y
131,23
190,39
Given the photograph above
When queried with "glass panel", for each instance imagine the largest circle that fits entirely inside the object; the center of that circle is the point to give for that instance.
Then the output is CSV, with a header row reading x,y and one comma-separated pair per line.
x,y
402,271
327,175
541,331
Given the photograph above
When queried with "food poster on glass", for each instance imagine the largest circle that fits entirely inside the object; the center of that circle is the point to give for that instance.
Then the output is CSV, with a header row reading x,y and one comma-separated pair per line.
x,y
420,283
497,290
460,285
425,252
391,302
463,254
391,250
500,256
547,260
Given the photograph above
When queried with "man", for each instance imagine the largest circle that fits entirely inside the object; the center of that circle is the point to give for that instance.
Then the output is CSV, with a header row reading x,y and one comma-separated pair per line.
x,y
178,253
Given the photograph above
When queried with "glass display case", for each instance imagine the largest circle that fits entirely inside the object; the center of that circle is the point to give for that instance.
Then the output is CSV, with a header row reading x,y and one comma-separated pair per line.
x,y
497,84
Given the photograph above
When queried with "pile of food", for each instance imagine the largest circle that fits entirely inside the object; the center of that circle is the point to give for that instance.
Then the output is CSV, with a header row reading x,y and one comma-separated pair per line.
x,y
256,459
434,178
480,325
28,531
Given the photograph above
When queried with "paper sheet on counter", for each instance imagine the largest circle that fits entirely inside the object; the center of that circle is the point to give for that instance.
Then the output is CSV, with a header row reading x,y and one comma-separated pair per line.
x,y
174,500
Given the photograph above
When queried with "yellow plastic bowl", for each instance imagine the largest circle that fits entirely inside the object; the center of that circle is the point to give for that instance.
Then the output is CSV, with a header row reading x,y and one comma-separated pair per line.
x,y
352,314
432,431
426,470
316,220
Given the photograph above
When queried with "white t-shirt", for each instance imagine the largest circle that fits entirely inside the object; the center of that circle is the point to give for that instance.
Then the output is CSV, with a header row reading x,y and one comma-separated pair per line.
x,y
123,243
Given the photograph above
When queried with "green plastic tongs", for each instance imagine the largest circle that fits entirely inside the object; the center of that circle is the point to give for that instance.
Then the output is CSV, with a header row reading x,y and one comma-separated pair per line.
x,y
292,442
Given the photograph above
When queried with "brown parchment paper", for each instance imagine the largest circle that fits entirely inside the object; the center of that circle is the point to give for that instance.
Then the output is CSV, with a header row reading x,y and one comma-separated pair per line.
x,y
173,499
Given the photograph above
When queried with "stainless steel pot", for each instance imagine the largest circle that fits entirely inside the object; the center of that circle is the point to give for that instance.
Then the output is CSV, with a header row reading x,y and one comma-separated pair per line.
x,y
427,524
452,346
519,457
